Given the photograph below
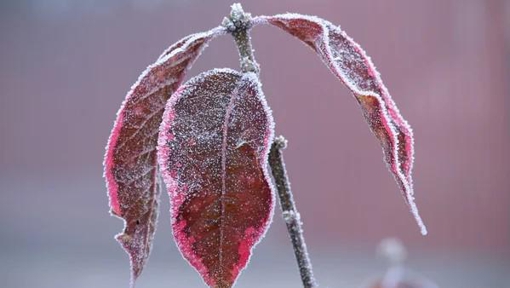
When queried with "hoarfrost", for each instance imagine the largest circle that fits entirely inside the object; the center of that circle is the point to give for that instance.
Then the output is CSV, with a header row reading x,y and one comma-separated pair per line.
x,y
212,150
130,162
354,68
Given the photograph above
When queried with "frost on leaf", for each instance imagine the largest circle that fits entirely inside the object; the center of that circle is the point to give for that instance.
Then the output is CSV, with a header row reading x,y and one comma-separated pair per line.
x,y
130,164
213,147
353,67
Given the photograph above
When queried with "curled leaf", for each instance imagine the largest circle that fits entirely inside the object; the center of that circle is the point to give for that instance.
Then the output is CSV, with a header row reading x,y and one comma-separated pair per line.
x,y
353,67
213,148
130,164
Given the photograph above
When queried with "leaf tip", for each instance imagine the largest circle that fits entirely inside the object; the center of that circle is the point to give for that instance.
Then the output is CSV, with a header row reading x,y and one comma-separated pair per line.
x,y
126,241
416,214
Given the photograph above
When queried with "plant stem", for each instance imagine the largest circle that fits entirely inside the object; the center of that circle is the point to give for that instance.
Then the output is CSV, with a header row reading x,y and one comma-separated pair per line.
x,y
239,24
290,213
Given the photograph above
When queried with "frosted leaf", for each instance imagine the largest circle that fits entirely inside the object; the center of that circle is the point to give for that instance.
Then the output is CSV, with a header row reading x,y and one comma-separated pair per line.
x,y
130,164
213,147
353,67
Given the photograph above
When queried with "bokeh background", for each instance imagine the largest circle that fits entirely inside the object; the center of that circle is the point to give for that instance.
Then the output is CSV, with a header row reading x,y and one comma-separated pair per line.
x,y
66,65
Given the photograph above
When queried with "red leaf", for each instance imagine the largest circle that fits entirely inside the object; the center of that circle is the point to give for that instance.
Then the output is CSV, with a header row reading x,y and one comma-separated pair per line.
x,y
213,148
130,164
353,67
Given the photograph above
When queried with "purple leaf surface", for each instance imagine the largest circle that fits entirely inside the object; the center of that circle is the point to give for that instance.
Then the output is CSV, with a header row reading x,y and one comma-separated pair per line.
x,y
354,68
130,164
213,148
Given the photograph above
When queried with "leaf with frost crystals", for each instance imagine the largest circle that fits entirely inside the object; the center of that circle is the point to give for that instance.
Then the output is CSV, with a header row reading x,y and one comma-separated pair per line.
x,y
353,67
213,147
130,164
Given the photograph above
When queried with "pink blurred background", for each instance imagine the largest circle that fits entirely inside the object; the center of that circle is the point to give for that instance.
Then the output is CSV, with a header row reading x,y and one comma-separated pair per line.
x,y
66,66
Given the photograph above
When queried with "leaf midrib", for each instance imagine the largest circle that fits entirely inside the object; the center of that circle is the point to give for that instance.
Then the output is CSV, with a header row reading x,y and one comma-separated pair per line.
x,y
224,145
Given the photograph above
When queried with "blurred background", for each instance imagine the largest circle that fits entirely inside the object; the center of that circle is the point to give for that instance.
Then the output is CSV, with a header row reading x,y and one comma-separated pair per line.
x,y
66,66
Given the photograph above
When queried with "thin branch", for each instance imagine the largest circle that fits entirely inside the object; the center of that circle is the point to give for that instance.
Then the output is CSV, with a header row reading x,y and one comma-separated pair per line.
x,y
290,213
239,24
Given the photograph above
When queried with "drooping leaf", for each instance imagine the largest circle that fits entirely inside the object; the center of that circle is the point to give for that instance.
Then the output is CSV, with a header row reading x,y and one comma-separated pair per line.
x,y
130,164
213,147
354,68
